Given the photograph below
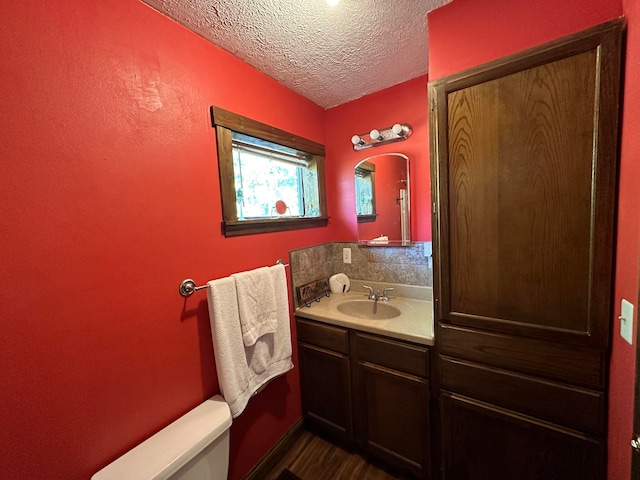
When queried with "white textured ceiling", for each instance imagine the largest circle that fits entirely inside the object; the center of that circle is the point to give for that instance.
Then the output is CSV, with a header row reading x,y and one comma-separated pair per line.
x,y
330,55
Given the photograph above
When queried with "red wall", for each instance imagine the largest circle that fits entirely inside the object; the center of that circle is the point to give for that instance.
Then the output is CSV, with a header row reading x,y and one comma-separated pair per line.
x,y
623,357
404,103
465,33
110,197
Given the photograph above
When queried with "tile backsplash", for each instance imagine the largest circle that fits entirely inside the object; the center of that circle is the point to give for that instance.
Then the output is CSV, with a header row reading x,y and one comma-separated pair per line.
x,y
404,265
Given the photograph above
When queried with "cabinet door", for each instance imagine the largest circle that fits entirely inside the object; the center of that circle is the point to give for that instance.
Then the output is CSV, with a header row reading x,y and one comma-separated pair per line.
x,y
394,416
481,441
326,391
525,159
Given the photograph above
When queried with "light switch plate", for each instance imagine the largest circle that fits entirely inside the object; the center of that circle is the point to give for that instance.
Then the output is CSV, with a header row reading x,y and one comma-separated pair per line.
x,y
346,255
626,321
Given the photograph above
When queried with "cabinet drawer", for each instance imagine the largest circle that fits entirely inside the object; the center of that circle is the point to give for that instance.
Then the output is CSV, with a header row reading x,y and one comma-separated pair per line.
x,y
577,408
481,440
322,335
553,360
393,354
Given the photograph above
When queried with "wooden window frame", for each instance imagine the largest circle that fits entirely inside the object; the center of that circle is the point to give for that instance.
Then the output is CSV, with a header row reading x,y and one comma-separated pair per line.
x,y
225,123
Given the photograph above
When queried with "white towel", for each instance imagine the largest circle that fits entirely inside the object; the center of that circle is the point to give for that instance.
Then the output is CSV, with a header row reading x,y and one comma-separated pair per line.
x,y
242,371
281,296
381,240
256,303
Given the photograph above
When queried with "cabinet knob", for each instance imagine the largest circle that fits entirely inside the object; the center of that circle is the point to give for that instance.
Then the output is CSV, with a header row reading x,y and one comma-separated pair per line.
x,y
635,443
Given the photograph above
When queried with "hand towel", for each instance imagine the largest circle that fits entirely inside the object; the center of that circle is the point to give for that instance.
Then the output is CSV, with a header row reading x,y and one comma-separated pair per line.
x,y
256,303
228,349
281,295
242,371
381,240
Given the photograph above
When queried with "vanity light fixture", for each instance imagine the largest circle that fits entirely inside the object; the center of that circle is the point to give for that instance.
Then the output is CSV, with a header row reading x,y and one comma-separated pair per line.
x,y
333,3
395,133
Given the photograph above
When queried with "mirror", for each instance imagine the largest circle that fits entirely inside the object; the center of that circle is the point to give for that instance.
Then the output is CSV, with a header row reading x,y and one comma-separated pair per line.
x,y
382,200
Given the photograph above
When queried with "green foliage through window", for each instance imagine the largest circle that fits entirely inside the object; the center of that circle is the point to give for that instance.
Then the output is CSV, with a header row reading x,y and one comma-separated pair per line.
x,y
266,173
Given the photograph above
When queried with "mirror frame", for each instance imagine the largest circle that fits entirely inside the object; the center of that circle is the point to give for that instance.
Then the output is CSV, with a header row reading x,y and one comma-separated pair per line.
x,y
369,218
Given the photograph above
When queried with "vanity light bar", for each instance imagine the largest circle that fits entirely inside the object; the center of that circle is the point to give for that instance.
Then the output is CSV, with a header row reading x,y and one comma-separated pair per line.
x,y
395,133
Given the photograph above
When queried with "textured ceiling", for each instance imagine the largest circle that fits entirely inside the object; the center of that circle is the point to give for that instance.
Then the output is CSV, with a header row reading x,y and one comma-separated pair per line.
x,y
330,55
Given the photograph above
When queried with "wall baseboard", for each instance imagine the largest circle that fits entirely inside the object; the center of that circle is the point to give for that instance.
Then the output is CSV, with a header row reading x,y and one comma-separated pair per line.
x,y
273,456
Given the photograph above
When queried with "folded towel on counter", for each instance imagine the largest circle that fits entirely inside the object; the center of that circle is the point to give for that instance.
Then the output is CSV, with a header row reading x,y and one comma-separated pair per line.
x,y
381,240
256,303
243,371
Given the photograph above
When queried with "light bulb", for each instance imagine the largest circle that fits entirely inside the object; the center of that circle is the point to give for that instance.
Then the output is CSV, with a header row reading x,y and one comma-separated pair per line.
x,y
356,140
375,135
398,130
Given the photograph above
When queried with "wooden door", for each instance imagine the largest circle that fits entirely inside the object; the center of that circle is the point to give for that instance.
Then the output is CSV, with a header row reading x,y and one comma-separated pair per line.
x,y
395,414
326,385
391,401
325,379
524,154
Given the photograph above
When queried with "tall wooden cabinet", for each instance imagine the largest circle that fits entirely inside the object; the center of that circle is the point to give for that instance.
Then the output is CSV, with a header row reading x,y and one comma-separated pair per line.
x,y
524,154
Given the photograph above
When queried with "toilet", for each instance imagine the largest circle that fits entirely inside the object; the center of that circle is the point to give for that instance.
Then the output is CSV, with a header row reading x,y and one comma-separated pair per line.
x,y
196,446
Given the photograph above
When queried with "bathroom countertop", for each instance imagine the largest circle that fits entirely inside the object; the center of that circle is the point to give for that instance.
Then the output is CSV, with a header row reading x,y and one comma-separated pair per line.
x,y
415,323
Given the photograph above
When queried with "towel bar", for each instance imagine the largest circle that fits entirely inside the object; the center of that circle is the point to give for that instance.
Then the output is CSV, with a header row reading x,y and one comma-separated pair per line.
x,y
188,286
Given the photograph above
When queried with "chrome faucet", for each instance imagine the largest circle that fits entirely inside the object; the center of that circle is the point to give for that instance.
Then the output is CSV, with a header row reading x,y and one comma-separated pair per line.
x,y
383,297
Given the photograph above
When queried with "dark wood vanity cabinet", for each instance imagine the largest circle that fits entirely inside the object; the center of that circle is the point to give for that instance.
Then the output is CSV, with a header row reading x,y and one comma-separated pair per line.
x,y
367,391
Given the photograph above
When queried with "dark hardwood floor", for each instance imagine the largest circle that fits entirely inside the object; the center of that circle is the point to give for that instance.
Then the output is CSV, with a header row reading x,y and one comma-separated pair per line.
x,y
313,458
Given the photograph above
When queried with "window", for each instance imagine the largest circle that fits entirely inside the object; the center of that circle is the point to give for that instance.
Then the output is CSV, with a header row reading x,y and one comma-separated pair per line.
x,y
270,180
268,176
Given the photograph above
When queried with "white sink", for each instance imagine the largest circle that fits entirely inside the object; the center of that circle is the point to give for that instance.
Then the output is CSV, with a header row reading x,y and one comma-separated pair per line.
x,y
408,315
369,309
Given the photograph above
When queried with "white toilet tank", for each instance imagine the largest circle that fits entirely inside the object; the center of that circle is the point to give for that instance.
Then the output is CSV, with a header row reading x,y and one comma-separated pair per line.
x,y
194,447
